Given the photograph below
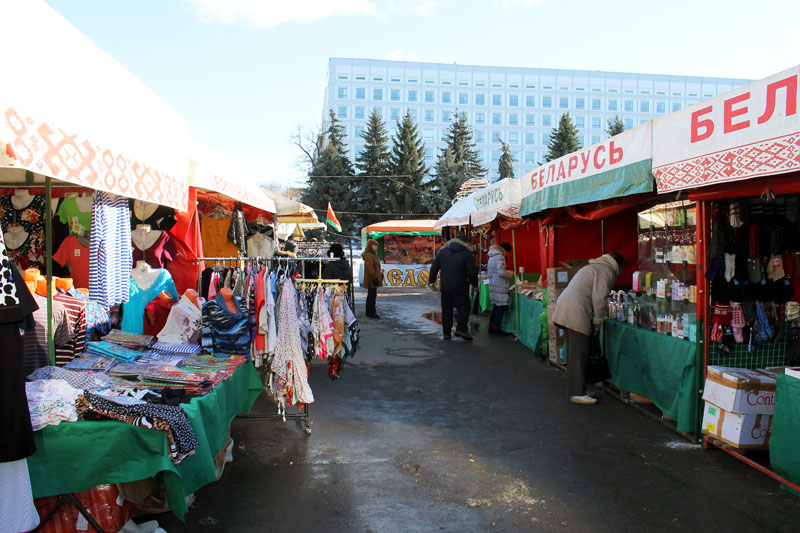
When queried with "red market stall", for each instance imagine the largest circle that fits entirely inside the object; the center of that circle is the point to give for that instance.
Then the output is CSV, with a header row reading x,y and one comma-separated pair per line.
x,y
738,156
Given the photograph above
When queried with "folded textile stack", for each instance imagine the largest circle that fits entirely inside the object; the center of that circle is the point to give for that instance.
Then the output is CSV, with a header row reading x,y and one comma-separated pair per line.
x,y
109,349
173,420
77,379
180,348
171,374
51,401
130,340
91,364
133,369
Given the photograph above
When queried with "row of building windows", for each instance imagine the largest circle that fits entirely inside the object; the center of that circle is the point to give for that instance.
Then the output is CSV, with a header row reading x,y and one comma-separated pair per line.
x,y
461,83
512,100
481,118
528,157
512,138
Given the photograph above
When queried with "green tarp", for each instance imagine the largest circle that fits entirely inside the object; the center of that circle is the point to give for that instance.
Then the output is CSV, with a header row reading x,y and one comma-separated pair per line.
x,y
630,179
530,312
784,443
76,456
663,368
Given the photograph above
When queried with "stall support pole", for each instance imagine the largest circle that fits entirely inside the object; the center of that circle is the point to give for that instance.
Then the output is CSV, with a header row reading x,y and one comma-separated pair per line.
x,y
602,236
48,228
516,289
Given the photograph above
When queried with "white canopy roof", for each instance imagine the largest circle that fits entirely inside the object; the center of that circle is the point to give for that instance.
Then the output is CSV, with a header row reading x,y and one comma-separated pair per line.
x,y
457,215
208,170
71,112
500,198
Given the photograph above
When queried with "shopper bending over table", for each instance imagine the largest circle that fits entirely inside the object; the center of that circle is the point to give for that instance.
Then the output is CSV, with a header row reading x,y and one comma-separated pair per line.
x,y
580,310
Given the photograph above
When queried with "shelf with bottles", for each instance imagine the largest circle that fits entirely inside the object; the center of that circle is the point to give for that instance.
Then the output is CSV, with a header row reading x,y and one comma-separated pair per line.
x,y
667,235
669,308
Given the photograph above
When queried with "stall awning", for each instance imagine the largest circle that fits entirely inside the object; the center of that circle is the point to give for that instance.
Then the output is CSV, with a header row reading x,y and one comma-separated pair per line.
x,y
71,112
500,198
284,207
457,215
408,227
618,166
210,171
745,133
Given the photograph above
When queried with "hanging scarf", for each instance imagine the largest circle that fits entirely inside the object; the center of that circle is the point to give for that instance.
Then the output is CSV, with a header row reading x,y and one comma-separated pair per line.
x,y
289,373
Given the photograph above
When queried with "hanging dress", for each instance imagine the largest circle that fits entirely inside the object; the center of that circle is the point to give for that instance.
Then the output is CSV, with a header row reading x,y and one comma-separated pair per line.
x,y
289,373
110,248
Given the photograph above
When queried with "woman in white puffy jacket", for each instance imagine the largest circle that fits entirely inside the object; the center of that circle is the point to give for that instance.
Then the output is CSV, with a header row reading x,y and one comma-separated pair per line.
x,y
498,285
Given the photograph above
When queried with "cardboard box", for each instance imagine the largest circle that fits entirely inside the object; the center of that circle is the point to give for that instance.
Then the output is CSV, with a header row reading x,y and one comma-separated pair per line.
x,y
553,293
740,430
555,333
559,277
738,390
793,372
556,353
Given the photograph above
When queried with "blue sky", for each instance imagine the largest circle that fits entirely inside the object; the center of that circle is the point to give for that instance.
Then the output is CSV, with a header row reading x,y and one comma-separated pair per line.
x,y
247,73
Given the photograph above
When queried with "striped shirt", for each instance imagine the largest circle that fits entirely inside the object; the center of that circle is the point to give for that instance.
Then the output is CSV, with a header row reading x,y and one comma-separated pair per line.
x,y
76,314
110,249
36,351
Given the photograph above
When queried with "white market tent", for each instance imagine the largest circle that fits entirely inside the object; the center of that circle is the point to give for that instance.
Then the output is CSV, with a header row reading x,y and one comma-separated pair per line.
x,y
70,112
500,198
210,171
457,215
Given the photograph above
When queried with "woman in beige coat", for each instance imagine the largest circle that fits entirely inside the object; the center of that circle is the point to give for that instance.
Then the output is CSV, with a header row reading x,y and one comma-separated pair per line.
x,y
373,277
580,310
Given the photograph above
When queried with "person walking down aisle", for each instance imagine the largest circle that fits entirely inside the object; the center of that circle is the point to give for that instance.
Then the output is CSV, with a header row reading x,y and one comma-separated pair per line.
x,y
580,311
339,269
457,266
373,277
498,286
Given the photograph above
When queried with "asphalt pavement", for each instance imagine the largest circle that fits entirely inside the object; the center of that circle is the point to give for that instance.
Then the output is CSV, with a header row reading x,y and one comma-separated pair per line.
x,y
423,434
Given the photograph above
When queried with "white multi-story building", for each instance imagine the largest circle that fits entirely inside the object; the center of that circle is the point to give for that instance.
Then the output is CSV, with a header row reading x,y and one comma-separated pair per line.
x,y
520,106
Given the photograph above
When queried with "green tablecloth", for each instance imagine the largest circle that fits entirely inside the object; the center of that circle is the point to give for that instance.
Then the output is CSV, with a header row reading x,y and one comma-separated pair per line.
x,y
74,457
784,442
530,323
663,368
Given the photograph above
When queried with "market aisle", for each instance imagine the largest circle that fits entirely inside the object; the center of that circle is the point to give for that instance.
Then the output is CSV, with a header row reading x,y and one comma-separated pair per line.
x,y
420,434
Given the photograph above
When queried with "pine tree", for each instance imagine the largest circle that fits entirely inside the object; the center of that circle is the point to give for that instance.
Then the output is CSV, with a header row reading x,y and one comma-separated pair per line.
x,y
407,163
563,140
460,141
457,162
615,127
505,167
372,162
449,175
330,180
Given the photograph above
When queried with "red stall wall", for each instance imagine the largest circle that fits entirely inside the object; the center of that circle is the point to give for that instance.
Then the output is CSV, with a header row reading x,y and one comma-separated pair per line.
x,y
526,239
566,238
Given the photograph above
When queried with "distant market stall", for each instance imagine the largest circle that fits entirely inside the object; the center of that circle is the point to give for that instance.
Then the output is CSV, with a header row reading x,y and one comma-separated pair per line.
x,y
406,249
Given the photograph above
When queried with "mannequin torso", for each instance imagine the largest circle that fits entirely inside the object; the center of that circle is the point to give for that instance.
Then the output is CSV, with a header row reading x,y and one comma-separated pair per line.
x,y
21,199
227,295
143,275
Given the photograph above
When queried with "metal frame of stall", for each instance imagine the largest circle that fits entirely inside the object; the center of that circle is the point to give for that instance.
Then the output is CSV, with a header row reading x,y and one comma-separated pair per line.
x,y
303,412
703,305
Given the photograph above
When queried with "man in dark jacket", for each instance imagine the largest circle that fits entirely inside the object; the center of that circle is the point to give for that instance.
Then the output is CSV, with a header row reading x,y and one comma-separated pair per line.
x,y
457,266
339,269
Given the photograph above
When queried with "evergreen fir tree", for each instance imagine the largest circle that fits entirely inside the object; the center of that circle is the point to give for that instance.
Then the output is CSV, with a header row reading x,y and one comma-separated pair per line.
x,y
615,127
372,162
465,164
460,141
331,178
407,193
449,175
505,167
563,140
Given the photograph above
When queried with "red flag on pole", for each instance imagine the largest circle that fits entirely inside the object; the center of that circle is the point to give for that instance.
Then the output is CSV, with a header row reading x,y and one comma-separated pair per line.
x,y
332,220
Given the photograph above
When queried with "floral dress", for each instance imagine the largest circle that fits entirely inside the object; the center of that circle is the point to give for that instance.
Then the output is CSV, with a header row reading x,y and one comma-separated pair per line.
x,y
31,218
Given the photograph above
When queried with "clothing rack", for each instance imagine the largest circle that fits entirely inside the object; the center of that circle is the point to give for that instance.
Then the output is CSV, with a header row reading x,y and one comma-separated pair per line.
x,y
303,412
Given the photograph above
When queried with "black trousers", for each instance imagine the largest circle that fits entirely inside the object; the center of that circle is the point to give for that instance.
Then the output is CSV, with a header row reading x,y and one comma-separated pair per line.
x,y
577,356
459,300
372,295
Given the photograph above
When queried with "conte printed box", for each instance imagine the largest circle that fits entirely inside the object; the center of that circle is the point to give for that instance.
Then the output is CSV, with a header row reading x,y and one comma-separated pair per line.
x,y
740,430
739,390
